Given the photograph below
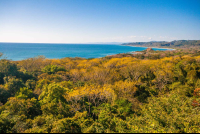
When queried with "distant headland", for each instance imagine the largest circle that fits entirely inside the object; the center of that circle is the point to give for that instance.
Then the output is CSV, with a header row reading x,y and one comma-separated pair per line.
x,y
165,44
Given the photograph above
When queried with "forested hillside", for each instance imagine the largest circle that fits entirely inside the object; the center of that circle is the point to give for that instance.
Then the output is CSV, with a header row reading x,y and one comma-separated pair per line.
x,y
130,93
174,44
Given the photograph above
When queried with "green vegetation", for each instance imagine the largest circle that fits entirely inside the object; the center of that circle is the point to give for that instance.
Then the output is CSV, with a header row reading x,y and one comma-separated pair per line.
x,y
154,91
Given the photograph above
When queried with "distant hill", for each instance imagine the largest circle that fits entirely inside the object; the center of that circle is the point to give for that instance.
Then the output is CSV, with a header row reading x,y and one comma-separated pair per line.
x,y
176,43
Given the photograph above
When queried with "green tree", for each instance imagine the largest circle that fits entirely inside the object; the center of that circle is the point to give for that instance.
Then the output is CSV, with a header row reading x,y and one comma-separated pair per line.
x,y
24,93
7,69
66,125
51,69
53,100
13,84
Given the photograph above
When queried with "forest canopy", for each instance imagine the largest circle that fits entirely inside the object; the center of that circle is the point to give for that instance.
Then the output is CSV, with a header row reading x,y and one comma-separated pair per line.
x,y
153,91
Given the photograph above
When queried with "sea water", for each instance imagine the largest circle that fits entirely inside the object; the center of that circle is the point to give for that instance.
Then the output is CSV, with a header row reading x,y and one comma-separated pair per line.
x,y
21,51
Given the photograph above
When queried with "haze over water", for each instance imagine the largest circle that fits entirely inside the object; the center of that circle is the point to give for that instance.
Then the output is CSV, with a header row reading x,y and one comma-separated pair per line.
x,y
21,51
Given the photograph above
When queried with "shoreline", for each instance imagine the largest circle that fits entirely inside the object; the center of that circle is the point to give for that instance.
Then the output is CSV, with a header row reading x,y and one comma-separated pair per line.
x,y
150,47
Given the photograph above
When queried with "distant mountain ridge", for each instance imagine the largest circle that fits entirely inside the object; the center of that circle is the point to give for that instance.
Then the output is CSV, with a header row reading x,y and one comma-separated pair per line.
x,y
175,43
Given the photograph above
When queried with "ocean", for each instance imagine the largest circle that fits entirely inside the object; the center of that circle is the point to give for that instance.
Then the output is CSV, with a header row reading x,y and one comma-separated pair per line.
x,y
21,51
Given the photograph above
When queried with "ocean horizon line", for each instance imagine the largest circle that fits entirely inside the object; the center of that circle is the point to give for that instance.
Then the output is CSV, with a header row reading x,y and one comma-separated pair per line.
x,y
111,42
67,43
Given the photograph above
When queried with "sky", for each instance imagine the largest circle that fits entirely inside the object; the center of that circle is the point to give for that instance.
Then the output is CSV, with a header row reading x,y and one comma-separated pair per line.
x,y
90,21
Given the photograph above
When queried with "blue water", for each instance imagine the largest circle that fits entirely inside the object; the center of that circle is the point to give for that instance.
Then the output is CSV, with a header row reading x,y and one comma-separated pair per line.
x,y
20,51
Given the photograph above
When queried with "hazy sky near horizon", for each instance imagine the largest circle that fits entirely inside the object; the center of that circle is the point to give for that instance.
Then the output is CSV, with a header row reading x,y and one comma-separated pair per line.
x,y
86,21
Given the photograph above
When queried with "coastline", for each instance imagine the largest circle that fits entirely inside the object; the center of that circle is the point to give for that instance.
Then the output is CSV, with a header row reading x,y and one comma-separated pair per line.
x,y
141,52
151,47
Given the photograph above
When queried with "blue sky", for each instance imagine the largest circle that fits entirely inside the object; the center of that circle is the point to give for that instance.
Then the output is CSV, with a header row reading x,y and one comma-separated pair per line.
x,y
86,21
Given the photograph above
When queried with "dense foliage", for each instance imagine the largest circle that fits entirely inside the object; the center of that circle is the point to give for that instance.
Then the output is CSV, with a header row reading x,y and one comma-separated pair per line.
x,y
128,93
